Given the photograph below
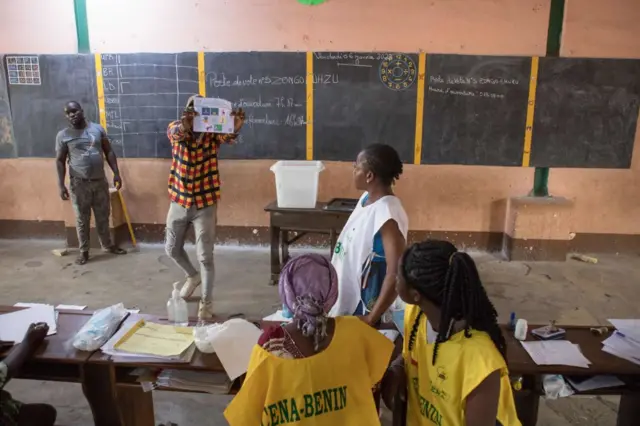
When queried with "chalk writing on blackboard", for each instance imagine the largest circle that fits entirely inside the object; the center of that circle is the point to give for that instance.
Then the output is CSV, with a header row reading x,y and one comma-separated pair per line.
x,y
221,80
466,92
460,79
23,70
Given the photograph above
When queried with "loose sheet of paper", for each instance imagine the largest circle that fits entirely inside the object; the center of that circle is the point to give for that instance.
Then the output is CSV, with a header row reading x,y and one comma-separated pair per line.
x,y
14,325
595,382
630,328
623,347
234,343
72,307
556,352
390,334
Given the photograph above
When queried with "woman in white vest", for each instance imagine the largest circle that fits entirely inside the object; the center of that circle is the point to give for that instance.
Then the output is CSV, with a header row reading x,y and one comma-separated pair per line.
x,y
371,243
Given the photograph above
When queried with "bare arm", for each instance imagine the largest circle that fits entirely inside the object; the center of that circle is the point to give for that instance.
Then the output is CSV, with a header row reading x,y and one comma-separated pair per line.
x,y
111,156
482,403
22,352
61,164
393,243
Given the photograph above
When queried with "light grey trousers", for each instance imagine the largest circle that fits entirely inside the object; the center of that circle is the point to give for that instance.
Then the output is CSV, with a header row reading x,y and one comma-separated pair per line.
x,y
204,226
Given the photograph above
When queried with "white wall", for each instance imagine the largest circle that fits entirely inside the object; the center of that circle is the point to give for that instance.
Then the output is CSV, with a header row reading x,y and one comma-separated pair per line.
x,y
37,26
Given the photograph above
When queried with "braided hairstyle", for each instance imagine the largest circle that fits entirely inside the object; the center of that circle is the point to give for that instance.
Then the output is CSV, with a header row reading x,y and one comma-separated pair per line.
x,y
384,162
449,279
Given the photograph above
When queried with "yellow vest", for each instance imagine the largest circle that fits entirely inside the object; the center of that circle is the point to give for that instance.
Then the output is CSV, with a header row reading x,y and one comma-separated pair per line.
x,y
436,394
333,387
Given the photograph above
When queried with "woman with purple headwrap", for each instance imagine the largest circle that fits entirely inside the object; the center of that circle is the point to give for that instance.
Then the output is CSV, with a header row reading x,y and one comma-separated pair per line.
x,y
315,370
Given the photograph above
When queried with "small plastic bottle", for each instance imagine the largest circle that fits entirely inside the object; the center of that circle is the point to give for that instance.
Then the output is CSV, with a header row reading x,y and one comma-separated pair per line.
x,y
177,308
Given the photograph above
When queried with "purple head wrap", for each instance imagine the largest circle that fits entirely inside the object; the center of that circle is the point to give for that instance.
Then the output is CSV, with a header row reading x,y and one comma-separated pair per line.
x,y
308,287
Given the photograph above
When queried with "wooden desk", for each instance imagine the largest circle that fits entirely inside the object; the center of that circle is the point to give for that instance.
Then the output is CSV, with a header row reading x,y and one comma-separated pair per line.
x,y
57,360
527,400
133,405
302,221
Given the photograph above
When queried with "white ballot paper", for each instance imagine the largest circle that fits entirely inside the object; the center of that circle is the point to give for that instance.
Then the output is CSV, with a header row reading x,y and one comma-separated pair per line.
x,y
556,352
214,115
233,342
14,325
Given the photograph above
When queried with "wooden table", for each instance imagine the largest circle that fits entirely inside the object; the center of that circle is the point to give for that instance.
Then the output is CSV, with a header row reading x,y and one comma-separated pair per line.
x,y
301,221
58,361
133,405
527,400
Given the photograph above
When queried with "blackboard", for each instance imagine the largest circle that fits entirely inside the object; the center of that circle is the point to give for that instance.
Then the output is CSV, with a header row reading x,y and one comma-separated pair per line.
x,y
37,110
7,143
364,98
475,109
143,93
271,88
586,112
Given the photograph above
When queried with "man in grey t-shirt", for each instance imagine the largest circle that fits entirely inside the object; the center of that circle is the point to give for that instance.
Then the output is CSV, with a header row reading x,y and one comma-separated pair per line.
x,y
83,145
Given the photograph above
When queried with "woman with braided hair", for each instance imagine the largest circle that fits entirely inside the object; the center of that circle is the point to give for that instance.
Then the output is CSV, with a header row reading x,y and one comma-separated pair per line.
x,y
460,378
316,370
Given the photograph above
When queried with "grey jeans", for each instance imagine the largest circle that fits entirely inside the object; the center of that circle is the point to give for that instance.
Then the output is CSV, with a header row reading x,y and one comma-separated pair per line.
x,y
204,225
87,195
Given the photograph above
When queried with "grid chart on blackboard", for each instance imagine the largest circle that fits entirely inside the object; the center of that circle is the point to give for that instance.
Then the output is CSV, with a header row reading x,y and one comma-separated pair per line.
x,y
143,93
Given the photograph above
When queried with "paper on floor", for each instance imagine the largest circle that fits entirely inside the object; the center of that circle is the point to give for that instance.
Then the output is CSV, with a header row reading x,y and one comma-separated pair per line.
x,y
556,352
234,343
14,325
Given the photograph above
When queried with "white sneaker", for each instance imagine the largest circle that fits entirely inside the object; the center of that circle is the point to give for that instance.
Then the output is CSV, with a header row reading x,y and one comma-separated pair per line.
x,y
190,286
205,310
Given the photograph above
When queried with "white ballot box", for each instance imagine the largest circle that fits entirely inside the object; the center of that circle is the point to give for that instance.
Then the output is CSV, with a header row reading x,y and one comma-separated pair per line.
x,y
214,115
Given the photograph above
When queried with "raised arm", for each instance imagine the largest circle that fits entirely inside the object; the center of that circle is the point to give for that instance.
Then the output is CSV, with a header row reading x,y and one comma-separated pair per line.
x,y
62,152
111,159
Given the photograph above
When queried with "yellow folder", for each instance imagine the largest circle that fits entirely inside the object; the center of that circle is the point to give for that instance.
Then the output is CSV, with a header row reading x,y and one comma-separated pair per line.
x,y
148,338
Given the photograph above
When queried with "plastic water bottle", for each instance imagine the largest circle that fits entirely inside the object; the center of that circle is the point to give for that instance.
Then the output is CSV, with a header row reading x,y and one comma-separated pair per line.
x,y
177,308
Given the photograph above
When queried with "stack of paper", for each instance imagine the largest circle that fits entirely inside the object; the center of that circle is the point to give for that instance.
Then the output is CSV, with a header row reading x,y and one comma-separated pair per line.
x,y
625,341
556,352
150,342
194,381
14,325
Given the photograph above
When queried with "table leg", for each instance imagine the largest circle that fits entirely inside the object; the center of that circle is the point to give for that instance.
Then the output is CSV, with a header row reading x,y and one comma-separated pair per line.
x,y
332,241
527,401
97,386
135,405
628,410
284,241
275,254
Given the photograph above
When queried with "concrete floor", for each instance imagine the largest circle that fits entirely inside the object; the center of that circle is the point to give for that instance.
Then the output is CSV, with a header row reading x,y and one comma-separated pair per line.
x,y
571,292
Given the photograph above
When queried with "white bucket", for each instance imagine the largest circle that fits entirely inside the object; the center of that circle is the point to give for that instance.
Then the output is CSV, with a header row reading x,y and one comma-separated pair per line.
x,y
297,183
